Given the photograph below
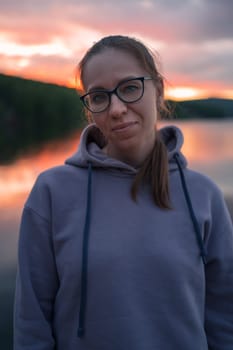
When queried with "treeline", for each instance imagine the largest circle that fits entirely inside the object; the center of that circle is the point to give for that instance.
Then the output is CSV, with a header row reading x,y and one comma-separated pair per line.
x,y
32,113
211,108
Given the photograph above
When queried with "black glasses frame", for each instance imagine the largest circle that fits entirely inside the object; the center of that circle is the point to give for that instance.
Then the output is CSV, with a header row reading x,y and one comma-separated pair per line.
x,y
114,91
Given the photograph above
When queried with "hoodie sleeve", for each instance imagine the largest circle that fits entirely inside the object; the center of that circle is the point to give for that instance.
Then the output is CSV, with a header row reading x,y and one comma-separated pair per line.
x,y
37,281
219,277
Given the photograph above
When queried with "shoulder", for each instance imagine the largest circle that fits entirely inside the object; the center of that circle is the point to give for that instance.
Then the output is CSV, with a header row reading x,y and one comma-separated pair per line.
x,y
200,181
55,185
63,175
60,172
204,191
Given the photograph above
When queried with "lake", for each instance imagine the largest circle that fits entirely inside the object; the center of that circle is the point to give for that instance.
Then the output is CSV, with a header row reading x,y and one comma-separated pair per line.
x,y
208,147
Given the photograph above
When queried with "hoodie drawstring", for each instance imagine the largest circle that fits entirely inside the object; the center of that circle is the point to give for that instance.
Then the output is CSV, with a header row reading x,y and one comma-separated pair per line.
x,y
203,252
83,296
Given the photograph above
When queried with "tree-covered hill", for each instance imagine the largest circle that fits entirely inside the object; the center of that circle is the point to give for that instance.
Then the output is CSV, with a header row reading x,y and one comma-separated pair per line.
x,y
32,113
211,108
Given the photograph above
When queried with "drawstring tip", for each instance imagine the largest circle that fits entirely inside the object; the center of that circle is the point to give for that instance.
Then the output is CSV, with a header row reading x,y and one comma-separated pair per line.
x,y
204,258
80,332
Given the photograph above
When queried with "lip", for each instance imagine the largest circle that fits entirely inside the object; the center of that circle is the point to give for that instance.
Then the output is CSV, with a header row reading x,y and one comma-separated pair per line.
x,y
123,126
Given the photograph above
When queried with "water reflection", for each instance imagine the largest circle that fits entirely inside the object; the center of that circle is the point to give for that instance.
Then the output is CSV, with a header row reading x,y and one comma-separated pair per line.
x,y
18,177
210,142
208,147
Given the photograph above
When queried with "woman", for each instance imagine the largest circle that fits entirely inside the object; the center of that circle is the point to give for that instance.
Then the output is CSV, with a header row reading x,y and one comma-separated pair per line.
x,y
124,247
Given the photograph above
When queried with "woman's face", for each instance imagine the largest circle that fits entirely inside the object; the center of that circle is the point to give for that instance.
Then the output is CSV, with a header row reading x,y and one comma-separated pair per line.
x,y
129,128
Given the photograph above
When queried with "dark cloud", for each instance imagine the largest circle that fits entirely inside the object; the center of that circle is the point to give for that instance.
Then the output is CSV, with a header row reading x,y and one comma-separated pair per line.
x,y
170,20
210,61
211,21
25,7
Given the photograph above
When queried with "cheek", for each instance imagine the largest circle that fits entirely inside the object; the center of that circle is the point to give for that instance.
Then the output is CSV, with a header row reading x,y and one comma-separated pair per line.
x,y
151,108
100,121
152,114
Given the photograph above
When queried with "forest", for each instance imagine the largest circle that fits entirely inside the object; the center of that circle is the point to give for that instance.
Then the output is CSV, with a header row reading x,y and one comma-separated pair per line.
x,y
32,113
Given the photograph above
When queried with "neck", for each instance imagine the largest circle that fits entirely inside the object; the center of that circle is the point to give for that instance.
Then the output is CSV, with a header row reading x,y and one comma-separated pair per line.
x,y
133,157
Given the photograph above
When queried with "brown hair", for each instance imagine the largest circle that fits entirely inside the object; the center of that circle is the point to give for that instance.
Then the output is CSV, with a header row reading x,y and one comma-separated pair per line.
x,y
155,167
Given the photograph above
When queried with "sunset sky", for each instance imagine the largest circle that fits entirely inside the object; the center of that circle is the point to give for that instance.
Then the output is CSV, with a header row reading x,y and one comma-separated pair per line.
x,y
44,40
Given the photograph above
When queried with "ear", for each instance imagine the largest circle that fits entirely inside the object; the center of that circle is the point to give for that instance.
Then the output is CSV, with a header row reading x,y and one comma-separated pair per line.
x,y
159,92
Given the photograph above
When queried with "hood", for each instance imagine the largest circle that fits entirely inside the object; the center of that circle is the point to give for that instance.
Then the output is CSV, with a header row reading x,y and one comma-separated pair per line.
x,y
92,142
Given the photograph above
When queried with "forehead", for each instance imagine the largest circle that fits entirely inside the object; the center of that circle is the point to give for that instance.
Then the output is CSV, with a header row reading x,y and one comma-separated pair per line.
x,y
109,67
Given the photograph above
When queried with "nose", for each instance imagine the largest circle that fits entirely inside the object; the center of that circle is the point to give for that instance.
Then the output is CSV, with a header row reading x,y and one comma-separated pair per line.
x,y
117,107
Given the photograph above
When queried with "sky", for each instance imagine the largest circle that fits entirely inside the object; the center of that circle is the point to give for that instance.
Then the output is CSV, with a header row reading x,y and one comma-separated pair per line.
x,y
193,39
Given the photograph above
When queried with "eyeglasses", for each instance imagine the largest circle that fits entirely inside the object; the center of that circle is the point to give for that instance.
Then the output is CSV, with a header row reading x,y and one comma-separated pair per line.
x,y
128,91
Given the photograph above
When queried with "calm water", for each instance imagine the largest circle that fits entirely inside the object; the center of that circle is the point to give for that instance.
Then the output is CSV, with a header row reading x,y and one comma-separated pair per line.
x,y
208,147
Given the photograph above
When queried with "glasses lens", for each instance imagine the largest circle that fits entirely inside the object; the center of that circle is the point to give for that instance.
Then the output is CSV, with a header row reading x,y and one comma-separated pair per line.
x,y
130,91
96,101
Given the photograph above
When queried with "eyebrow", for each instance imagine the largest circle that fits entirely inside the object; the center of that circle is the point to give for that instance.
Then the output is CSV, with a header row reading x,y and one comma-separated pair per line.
x,y
101,88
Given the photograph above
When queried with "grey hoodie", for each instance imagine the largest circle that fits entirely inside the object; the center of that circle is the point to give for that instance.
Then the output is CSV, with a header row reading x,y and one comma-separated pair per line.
x,y
128,275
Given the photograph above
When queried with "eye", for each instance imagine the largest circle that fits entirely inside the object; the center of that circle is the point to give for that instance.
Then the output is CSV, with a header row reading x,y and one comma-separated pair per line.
x,y
129,87
98,98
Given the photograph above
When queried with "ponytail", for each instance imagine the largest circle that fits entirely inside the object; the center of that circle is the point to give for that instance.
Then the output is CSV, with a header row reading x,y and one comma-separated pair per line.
x,y
155,172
